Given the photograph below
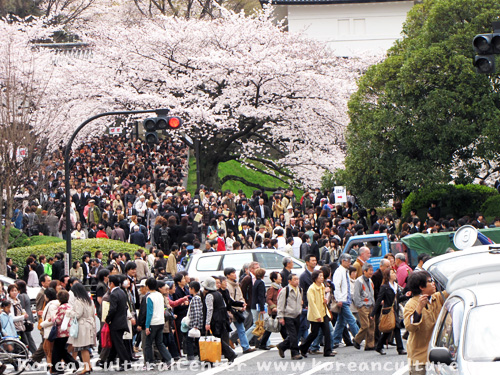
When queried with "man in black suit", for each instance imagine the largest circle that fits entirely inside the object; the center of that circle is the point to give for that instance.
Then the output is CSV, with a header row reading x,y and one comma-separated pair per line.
x,y
117,320
57,267
242,207
263,211
184,209
137,237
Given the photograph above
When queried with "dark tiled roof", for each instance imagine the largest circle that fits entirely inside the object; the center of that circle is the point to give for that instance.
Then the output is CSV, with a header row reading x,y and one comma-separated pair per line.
x,y
313,2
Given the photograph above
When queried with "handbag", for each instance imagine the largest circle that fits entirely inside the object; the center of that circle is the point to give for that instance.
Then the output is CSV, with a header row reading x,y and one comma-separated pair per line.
x,y
53,333
73,329
210,349
185,321
28,326
194,333
387,319
332,304
272,324
259,329
105,336
65,323
212,235
238,316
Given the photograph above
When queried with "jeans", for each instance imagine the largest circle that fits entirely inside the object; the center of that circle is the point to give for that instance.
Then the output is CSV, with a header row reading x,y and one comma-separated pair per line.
x,y
255,316
316,343
169,341
191,345
156,335
304,325
240,328
344,317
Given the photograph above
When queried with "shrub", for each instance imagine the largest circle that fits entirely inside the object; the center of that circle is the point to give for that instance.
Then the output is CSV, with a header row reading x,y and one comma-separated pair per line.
x,y
17,238
491,208
78,247
455,200
43,240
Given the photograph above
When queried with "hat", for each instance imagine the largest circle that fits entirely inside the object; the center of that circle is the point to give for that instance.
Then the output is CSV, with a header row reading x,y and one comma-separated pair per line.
x,y
91,201
209,284
345,221
142,197
262,226
289,207
190,247
142,283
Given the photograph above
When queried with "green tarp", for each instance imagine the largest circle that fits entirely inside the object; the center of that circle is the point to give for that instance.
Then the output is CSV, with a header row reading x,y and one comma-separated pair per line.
x,y
437,243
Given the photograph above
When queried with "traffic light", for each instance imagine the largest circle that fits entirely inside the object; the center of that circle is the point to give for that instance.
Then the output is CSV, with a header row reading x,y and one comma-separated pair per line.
x,y
154,124
486,47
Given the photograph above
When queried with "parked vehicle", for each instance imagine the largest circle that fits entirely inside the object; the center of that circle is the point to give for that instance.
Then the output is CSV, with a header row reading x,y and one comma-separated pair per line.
x,y
32,292
466,338
203,265
379,245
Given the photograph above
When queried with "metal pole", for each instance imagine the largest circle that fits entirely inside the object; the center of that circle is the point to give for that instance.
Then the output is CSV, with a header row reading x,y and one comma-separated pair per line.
x,y
67,153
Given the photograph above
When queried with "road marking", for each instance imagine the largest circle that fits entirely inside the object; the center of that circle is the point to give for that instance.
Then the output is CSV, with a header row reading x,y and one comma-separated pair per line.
x,y
402,370
237,361
317,368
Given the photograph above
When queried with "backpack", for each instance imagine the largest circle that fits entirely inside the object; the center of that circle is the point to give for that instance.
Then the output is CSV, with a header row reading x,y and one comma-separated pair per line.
x,y
164,236
325,255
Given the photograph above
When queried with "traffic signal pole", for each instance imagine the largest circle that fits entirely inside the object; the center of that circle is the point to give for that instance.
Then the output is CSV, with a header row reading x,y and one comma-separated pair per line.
x,y
67,154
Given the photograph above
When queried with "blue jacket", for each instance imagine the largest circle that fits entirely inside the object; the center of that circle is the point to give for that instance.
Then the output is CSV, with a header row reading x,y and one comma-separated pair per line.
x,y
8,328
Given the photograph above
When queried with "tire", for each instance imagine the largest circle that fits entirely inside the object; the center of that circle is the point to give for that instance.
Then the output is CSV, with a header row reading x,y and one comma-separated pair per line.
x,y
14,354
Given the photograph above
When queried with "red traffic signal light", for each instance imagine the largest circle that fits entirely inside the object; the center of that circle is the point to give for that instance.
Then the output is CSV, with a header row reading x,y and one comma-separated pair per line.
x,y
174,122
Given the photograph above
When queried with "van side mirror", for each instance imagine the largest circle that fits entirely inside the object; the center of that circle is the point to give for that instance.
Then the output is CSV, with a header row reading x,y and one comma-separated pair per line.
x,y
440,355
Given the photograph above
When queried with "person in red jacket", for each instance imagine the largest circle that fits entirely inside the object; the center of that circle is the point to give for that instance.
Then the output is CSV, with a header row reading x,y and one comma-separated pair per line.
x,y
101,233
221,243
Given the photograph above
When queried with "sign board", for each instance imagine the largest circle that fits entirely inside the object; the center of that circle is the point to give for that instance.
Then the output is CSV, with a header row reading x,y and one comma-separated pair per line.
x,y
340,194
115,130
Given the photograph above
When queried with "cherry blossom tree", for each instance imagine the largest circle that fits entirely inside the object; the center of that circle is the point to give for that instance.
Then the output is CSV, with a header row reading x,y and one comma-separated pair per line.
x,y
247,90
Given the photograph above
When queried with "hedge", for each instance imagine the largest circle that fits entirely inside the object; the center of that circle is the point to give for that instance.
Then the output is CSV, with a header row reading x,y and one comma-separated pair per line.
x,y
78,247
455,200
491,208
19,239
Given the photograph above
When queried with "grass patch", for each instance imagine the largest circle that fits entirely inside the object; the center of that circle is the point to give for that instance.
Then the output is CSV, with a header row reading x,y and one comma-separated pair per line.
x,y
233,167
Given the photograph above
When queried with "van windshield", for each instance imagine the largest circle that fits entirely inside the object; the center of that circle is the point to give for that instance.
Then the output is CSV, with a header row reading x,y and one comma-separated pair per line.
x,y
482,337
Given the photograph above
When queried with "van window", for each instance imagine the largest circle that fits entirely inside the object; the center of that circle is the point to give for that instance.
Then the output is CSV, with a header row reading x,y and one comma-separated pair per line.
x,y
208,263
236,260
269,260
450,329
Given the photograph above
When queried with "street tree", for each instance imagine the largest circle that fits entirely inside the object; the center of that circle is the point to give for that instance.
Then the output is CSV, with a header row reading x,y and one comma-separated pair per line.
x,y
424,115
247,90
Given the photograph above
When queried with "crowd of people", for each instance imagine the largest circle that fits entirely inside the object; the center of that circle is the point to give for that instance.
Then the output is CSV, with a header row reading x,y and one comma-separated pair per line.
x,y
135,194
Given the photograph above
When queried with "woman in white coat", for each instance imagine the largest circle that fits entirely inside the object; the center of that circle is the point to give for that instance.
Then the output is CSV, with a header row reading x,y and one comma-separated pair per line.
x,y
48,317
84,312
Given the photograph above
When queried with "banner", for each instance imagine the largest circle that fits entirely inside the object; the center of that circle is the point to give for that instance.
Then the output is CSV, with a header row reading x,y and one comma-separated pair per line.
x,y
115,130
340,194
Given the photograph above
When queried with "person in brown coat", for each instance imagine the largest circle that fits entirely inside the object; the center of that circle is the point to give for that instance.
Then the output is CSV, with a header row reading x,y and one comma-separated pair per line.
x,y
272,307
420,315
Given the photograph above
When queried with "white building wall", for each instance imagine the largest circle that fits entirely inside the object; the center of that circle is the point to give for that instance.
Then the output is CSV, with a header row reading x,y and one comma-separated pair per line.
x,y
350,29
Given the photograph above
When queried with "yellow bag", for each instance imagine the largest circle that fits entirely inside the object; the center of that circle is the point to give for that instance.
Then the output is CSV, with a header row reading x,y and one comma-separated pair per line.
x,y
210,349
259,327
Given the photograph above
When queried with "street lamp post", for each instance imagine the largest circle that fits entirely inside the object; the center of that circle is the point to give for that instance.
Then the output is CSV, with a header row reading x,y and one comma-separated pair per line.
x,y
67,153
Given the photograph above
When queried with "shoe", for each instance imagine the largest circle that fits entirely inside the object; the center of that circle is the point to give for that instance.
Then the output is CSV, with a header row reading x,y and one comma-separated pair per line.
x,y
349,344
380,351
99,363
369,349
356,345
134,359
272,346
281,352
296,357
264,347
303,354
249,350
402,352
332,354
392,343
314,352
335,346
2,369
231,344
232,359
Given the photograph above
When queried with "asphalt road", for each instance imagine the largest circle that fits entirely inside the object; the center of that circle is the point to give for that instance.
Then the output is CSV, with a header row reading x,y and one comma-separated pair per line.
x,y
347,361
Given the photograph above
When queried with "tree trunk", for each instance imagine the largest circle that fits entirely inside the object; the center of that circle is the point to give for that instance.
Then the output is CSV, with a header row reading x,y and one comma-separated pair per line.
x,y
209,170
